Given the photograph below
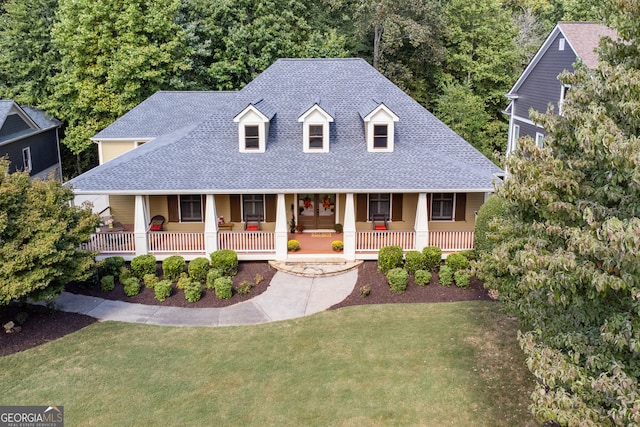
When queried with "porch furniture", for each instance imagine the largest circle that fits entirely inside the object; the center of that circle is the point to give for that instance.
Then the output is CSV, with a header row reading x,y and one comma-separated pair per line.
x,y
156,223
116,227
252,222
226,227
379,221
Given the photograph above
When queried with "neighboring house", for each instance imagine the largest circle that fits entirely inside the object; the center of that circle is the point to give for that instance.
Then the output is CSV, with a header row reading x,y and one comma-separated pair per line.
x,y
30,140
322,141
538,87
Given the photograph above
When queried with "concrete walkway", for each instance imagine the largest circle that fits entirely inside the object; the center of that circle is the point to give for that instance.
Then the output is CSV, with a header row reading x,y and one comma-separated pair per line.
x,y
287,297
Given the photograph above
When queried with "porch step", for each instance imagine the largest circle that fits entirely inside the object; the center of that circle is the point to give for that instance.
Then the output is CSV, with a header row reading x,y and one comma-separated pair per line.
x,y
315,267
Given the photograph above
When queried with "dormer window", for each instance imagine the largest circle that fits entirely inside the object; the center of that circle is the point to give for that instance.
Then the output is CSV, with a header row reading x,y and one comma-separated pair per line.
x,y
380,136
379,123
316,136
251,137
315,128
253,127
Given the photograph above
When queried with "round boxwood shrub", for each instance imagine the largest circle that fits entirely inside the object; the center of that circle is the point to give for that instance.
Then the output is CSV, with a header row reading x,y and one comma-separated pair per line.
x,y
198,269
172,267
494,207
389,257
457,262
212,275
433,257
192,290
111,266
107,283
414,261
462,279
397,278
143,264
225,260
293,245
422,277
131,286
162,290
446,275
223,287
125,274
150,280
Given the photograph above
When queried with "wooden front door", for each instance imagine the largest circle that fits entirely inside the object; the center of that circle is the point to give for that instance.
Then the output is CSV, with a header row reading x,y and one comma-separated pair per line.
x,y
317,211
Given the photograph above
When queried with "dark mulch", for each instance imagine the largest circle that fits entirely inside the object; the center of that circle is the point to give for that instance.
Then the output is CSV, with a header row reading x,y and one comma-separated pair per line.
x,y
43,325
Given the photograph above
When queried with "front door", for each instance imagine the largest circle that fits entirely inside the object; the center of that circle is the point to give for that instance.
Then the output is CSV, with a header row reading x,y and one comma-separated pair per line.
x,y
317,211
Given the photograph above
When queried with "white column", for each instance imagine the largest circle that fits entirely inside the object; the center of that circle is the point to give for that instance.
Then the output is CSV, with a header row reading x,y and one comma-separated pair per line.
x,y
210,225
281,233
349,228
422,223
140,225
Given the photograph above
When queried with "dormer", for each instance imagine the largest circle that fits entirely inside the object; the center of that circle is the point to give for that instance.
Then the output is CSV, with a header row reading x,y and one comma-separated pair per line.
x,y
253,127
315,128
379,127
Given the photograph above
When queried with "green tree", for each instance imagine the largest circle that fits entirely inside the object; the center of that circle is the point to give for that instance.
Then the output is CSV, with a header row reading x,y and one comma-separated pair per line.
x,y
567,261
40,233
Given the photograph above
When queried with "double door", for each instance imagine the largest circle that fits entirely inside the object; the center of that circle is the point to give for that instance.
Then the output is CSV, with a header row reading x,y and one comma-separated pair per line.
x,y
317,211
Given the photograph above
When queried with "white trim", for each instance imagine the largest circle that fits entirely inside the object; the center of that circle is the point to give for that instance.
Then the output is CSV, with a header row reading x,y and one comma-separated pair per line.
x,y
564,88
561,42
539,139
527,121
453,208
286,191
26,160
315,116
202,218
381,115
244,119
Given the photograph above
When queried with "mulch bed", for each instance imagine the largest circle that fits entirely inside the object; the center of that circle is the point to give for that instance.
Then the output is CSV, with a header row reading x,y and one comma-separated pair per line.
x,y
43,325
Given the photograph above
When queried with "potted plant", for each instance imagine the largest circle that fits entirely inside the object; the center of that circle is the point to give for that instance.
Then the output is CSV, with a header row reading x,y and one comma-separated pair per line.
x,y
338,228
337,245
300,228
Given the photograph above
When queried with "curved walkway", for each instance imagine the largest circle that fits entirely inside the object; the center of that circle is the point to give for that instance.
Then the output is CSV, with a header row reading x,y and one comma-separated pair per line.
x,y
287,297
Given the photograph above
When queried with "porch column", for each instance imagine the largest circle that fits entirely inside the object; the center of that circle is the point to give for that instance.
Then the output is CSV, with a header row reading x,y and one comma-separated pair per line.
x,y
210,225
281,233
422,223
140,226
349,228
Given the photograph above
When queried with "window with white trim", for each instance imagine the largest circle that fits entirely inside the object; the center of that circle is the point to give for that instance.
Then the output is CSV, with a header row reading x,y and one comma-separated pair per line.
x,y
253,128
26,158
379,204
561,44
315,129
380,136
316,137
253,204
251,137
515,135
442,206
539,139
191,208
380,128
563,95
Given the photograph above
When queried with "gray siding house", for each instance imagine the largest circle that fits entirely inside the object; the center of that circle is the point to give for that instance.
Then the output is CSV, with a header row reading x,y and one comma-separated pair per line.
x,y
29,139
538,87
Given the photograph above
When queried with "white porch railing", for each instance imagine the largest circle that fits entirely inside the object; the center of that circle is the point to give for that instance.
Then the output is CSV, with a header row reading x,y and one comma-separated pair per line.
x,y
372,241
112,243
451,240
167,241
251,241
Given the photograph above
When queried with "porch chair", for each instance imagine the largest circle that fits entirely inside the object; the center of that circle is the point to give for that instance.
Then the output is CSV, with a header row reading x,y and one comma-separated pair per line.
x,y
156,223
252,222
379,221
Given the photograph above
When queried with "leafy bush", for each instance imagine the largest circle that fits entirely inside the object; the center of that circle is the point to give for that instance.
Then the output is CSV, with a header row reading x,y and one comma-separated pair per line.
x,y
107,283
226,261
457,262
150,280
337,245
423,277
198,269
469,254
212,275
446,275
433,257
293,245
244,287
192,290
172,267
223,287
389,257
111,266
143,264
494,207
131,286
462,279
397,278
125,274
163,290
414,261
182,280
257,279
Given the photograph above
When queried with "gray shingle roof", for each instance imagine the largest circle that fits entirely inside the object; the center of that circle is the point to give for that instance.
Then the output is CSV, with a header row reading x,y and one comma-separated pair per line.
x,y
203,156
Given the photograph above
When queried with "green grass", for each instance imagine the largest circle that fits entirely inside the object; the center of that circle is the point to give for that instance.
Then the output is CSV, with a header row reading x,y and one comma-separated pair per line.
x,y
418,364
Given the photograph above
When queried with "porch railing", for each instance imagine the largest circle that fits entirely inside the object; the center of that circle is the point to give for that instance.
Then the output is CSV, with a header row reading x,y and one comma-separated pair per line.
x,y
251,241
167,241
111,243
372,241
451,240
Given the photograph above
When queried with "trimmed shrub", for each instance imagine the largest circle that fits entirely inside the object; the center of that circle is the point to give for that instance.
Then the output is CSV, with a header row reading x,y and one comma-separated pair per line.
x,y
192,290
337,245
462,279
446,275
223,287
172,267
389,257
212,275
198,269
182,280
131,286
143,264
423,277
457,262
244,287
414,261
125,274
433,257
397,278
163,290
469,254
111,266
494,207
225,260
150,280
107,283
293,245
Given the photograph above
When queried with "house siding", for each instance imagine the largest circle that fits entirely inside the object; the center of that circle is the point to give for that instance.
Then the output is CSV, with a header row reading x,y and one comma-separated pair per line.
x,y
527,129
123,209
113,149
44,152
473,203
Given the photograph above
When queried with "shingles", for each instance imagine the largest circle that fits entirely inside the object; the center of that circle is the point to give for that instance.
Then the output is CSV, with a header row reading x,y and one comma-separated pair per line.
x,y
585,39
205,157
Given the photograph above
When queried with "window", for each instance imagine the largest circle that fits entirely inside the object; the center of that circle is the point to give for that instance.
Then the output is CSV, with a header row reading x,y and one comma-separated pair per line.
x,y
26,158
316,137
380,136
191,208
539,138
253,204
563,95
379,204
442,206
561,44
514,136
251,137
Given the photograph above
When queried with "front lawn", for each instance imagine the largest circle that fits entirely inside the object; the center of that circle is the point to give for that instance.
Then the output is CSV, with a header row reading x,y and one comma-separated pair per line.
x,y
401,364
